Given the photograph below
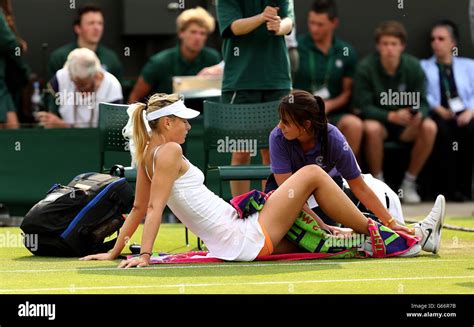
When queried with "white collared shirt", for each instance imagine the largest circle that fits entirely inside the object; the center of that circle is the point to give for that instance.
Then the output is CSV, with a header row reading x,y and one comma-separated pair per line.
x,y
82,110
463,70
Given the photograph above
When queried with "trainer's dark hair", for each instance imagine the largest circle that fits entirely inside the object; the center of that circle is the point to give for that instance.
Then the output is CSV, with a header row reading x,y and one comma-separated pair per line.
x,y
84,10
325,7
300,106
450,26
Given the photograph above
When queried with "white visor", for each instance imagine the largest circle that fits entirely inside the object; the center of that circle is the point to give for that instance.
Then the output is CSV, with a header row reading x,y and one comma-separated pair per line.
x,y
177,109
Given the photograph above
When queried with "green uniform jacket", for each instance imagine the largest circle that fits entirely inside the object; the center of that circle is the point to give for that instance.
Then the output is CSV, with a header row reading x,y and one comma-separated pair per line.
x,y
9,47
258,60
329,69
161,67
376,93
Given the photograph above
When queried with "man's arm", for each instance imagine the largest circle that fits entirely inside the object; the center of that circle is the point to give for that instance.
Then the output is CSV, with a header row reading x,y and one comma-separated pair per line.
x,y
286,26
214,70
287,11
140,90
12,121
342,99
50,120
269,15
244,26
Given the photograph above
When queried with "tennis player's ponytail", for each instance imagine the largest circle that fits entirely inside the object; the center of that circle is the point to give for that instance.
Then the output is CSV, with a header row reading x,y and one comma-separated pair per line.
x,y
322,127
140,133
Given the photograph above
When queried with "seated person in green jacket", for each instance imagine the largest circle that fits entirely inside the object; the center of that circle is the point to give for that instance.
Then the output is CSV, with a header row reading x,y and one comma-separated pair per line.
x,y
390,92
326,68
89,27
187,58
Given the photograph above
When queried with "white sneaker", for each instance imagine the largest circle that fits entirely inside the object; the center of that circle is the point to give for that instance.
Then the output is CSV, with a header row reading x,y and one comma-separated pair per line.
x,y
409,192
430,228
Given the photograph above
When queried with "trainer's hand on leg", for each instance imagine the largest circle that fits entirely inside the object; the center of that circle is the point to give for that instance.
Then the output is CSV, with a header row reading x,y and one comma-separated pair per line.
x,y
340,231
399,228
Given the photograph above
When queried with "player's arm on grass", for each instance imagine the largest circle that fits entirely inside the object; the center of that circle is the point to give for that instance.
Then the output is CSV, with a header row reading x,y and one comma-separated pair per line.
x,y
167,168
140,90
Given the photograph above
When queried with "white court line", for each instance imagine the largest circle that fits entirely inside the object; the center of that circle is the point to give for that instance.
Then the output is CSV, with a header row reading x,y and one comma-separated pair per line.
x,y
235,265
90,288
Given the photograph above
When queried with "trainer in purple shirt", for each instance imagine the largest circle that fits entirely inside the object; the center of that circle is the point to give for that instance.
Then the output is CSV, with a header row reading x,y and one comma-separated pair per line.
x,y
304,137
287,156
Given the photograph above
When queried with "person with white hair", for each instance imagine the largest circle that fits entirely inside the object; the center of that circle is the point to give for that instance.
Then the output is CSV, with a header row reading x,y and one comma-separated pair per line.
x,y
77,90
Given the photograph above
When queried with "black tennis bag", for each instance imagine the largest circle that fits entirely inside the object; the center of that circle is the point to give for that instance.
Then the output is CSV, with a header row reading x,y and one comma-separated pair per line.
x,y
74,220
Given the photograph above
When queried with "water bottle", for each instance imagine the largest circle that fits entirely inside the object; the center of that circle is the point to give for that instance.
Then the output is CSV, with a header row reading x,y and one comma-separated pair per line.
x,y
36,102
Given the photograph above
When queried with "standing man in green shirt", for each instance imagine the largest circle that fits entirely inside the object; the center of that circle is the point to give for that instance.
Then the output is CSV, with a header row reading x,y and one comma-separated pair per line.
x,y
187,58
390,91
326,68
8,49
257,67
88,27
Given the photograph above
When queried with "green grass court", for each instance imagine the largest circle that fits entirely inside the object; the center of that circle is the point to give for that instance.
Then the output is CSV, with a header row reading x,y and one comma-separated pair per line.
x,y
449,272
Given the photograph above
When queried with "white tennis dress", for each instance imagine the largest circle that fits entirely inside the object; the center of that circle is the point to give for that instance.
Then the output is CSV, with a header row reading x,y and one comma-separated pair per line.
x,y
214,220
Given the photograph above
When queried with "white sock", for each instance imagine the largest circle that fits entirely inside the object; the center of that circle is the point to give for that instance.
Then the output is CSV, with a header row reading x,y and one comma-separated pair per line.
x,y
410,178
418,232
379,176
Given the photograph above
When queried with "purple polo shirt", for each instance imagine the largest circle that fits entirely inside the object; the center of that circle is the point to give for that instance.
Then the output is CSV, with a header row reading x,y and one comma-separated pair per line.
x,y
288,157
